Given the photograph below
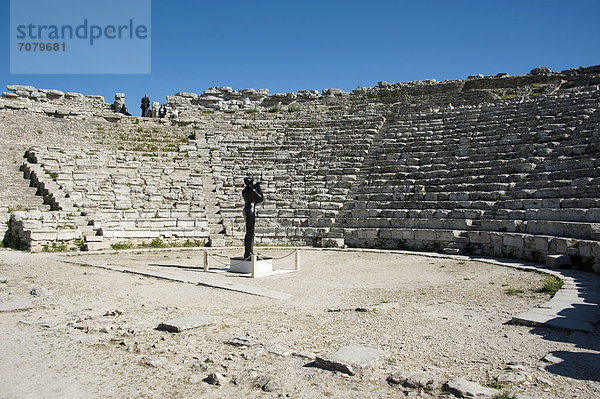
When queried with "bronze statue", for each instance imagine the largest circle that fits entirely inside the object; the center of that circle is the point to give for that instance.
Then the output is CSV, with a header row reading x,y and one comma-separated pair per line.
x,y
253,195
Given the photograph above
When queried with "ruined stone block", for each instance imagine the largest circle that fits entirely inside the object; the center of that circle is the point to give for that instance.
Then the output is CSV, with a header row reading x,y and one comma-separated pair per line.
x,y
513,240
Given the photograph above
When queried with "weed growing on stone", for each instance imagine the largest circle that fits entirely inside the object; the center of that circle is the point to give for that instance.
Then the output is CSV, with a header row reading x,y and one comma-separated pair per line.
x,y
16,208
156,243
513,291
55,247
505,395
121,245
53,175
276,108
495,384
551,285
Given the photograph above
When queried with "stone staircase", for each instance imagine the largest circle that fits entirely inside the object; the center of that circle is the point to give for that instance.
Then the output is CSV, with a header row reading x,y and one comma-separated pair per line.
x,y
217,236
17,194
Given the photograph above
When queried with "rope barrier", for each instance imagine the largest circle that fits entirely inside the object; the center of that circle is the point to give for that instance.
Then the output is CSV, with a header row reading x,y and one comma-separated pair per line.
x,y
226,264
282,257
259,256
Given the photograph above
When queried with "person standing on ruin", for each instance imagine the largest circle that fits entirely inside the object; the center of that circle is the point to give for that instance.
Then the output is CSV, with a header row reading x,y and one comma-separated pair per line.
x,y
145,105
252,195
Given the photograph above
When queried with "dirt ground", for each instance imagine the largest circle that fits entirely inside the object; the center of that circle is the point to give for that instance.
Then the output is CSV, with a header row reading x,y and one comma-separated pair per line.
x,y
92,332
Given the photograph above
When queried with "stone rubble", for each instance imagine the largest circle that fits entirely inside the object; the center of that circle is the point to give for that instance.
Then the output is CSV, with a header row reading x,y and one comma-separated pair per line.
x,y
216,379
415,380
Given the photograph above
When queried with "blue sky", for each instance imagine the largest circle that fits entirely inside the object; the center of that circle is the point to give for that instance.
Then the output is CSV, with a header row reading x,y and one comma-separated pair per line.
x,y
291,45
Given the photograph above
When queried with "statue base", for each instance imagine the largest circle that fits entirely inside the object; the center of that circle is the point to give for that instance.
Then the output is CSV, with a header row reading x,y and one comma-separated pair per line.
x,y
239,265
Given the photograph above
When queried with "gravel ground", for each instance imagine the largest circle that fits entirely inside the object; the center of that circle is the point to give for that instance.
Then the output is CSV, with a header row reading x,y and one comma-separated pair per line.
x,y
92,332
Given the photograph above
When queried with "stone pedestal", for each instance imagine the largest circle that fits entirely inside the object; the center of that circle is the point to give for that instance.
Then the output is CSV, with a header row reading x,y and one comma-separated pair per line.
x,y
239,265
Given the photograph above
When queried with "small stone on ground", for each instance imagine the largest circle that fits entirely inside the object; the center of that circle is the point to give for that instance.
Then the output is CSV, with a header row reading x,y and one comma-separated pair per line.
x,y
550,358
410,379
187,323
241,342
466,389
279,350
271,386
350,359
215,379
512,378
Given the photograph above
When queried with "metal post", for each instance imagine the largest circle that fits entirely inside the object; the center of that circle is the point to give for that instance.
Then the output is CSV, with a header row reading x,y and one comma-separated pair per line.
x,y
297,260
205,261
253,265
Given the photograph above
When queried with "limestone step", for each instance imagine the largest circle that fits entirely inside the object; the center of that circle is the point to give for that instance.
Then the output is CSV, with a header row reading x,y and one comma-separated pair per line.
x,y
93,238
216,229
96,246
452,251
155,233
591,215
217,240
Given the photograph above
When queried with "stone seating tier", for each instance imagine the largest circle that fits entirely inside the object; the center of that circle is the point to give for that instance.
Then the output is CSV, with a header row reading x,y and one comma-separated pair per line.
x,y
506,177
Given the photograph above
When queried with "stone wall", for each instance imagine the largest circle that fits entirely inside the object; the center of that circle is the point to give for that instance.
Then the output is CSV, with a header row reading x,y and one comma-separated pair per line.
x,y
52,102
499,165
476,89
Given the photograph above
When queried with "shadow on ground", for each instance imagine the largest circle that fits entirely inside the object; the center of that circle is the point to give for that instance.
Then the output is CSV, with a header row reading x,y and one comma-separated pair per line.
x,y
585,364
182,267
577,365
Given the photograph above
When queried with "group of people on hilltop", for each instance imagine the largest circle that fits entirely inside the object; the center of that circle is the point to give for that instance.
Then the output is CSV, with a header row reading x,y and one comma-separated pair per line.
x,y
162,111
147,111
